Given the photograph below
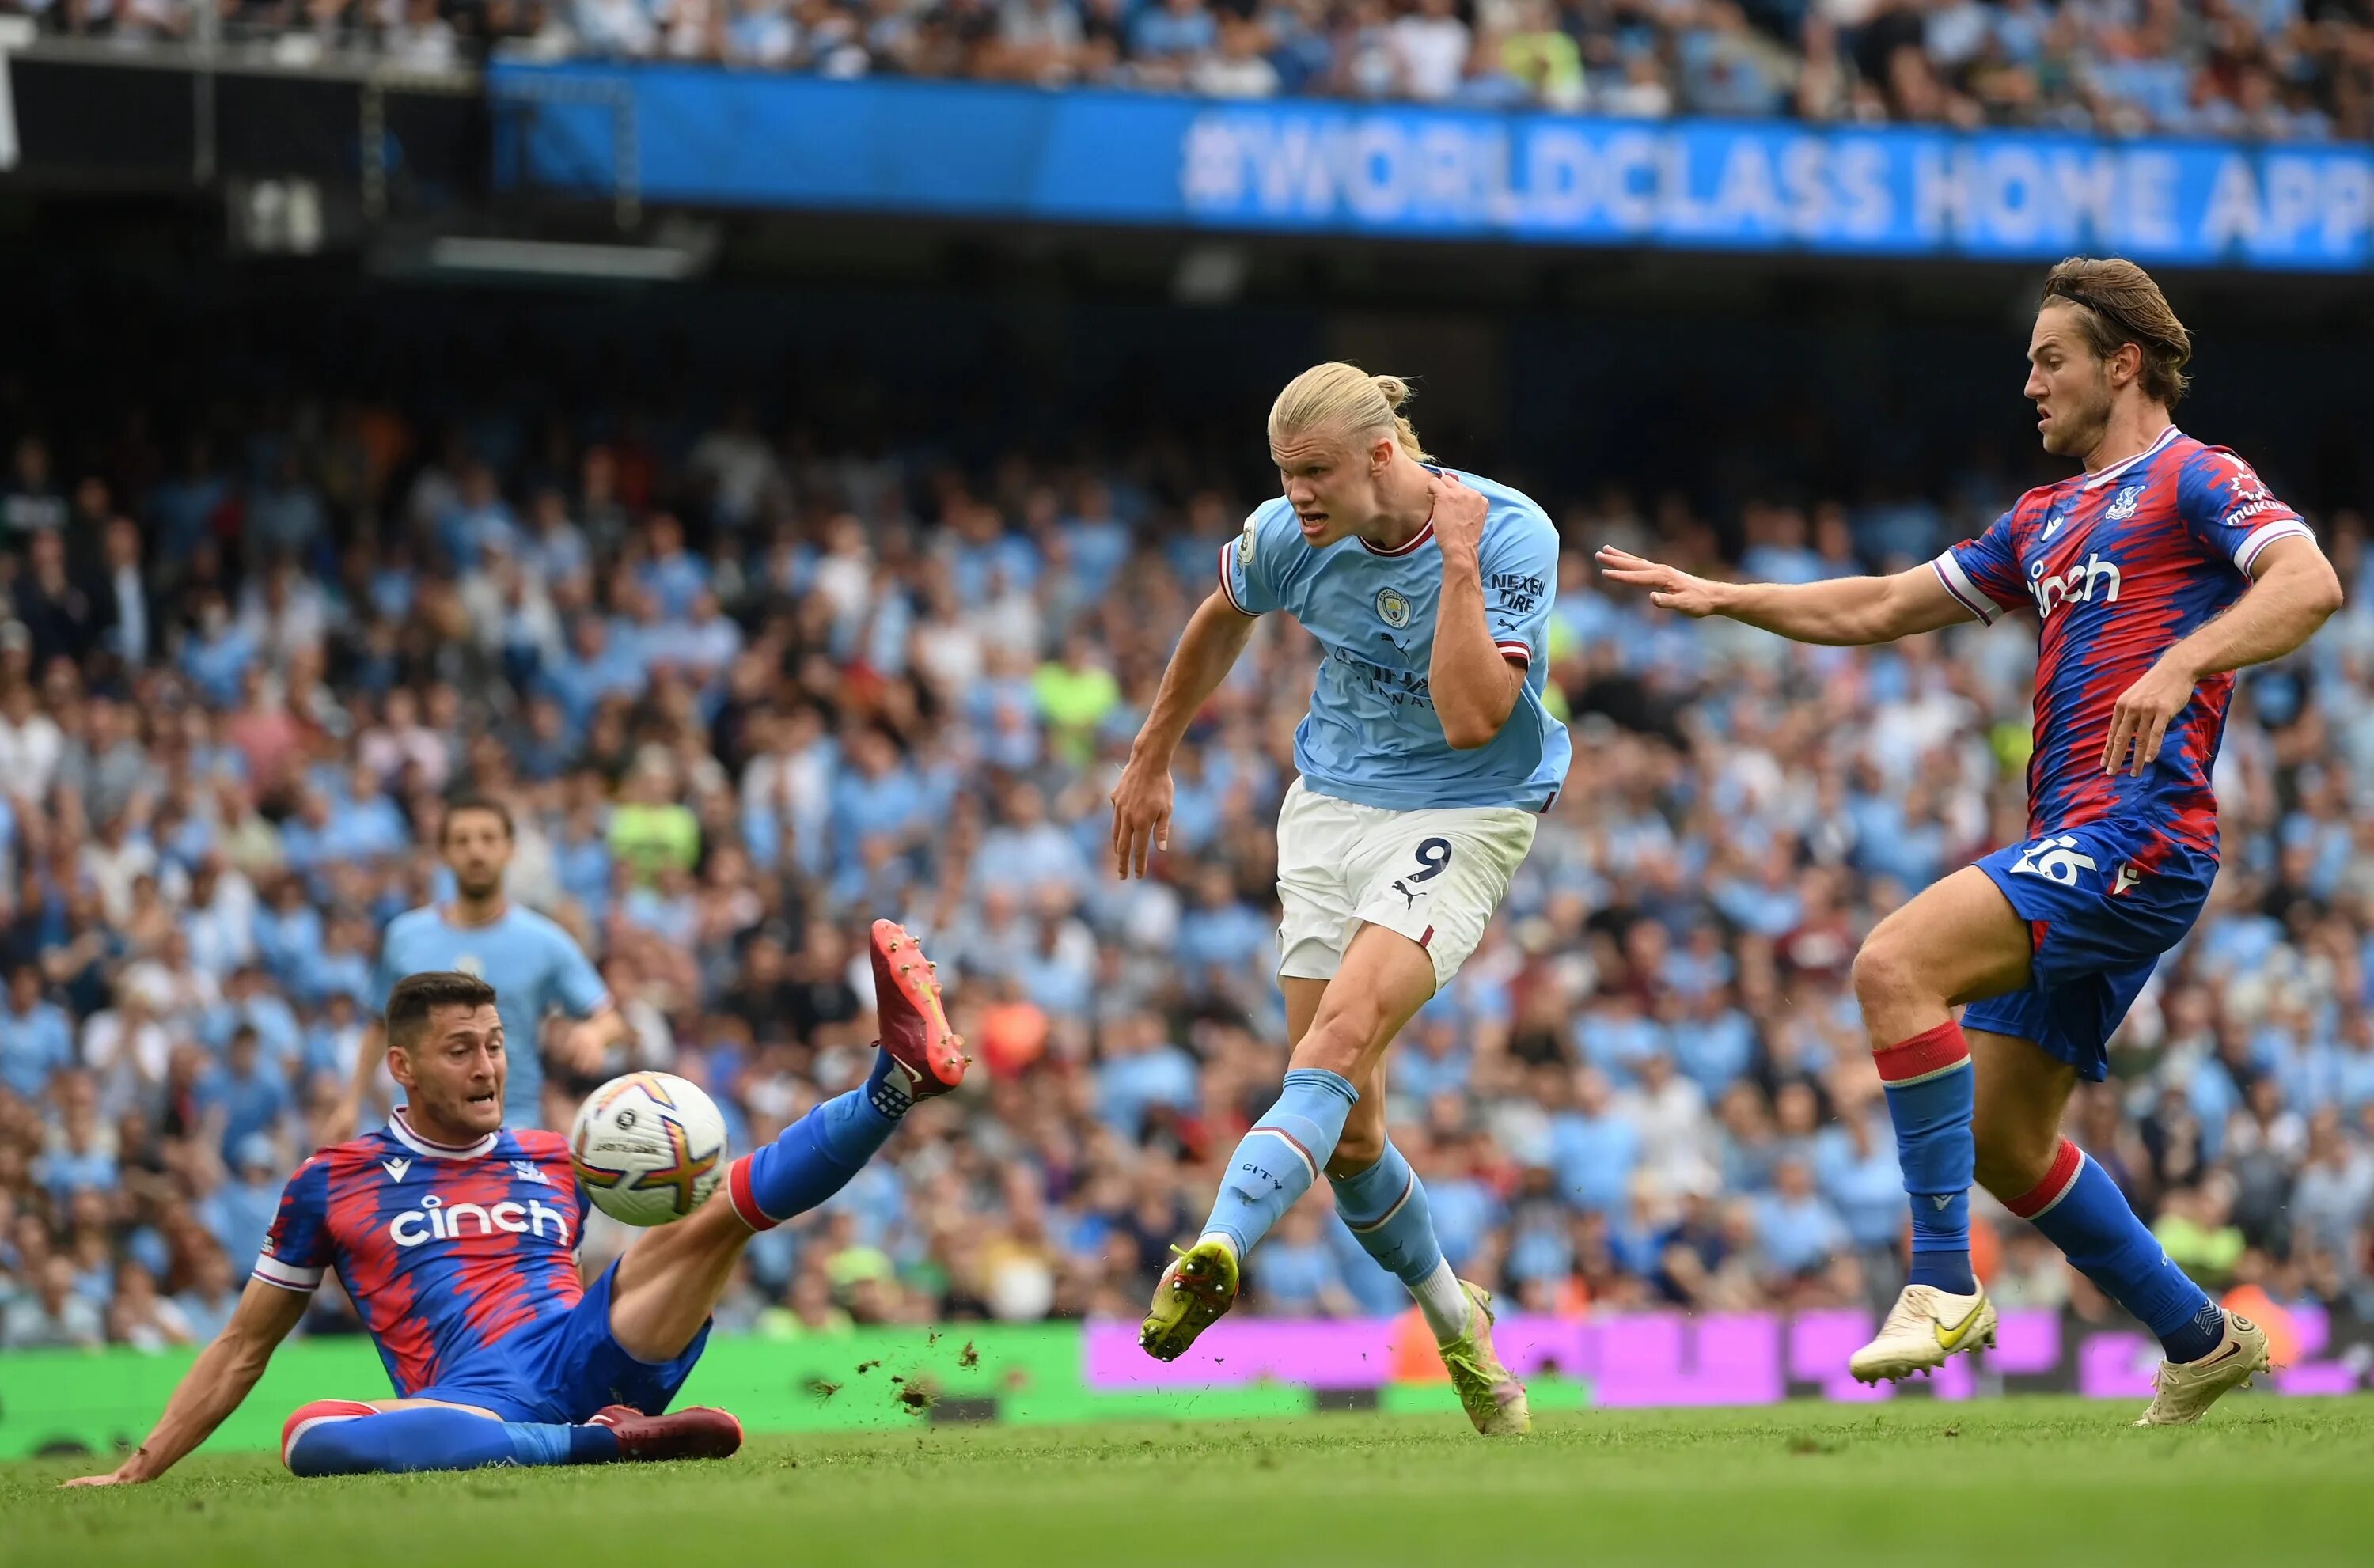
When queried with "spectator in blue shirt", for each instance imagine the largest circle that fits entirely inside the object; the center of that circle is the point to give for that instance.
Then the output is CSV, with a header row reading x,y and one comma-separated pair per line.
x,y
1297,1274
35,1038
1796,1227
79,1158
1027,851
1857,1172
1177,31
213,1292
249,1093
1142,1070
240,1211
1221,930
1592,1149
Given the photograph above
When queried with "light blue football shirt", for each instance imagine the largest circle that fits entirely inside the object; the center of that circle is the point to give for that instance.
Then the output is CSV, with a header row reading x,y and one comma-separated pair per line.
x,y
1371,736
533,965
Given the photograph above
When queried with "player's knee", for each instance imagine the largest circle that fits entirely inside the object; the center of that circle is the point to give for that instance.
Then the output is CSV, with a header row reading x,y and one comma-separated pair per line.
x,y
317,1418
1883,974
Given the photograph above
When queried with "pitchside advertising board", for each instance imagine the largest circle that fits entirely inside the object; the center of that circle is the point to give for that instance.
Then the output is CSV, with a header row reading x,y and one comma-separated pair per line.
x,y
731,139
59,1402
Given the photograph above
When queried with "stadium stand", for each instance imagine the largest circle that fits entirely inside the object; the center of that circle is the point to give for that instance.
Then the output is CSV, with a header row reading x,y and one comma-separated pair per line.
x,y
745,685
2266,70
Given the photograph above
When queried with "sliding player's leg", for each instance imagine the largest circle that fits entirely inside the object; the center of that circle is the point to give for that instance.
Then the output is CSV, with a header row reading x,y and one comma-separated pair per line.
x,y
1384,979
670,1279
1957,940
1383,1203
351,1437
2023,1089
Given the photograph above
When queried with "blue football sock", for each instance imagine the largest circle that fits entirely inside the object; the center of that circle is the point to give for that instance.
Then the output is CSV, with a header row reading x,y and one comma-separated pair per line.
x,y
430,1438
1931,1098
2081,1211
1385,1207
815,1157
1279,1159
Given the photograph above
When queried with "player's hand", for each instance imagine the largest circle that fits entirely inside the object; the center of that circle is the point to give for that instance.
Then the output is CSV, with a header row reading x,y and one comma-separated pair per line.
x,y
1459,514
2139,718
1141,805
1669,588
116,1477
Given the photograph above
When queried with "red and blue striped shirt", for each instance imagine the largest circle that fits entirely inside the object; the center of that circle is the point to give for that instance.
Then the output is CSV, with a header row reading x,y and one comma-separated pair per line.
x,y
2119,566
445,1250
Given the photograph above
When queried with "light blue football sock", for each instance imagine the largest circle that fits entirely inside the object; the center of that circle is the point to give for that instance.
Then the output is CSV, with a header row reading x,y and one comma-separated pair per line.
x,y
430,1438
1386,1210
1279,1159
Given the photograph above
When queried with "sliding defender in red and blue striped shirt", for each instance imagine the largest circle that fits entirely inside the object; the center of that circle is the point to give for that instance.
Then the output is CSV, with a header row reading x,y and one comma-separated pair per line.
x,y
457,1239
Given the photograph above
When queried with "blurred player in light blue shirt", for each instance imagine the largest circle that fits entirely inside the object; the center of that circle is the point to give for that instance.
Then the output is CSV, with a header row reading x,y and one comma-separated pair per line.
x,y
535,968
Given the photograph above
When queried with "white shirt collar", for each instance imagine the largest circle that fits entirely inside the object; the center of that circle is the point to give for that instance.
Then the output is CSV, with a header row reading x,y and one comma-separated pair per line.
x,y
2093,481
402,1129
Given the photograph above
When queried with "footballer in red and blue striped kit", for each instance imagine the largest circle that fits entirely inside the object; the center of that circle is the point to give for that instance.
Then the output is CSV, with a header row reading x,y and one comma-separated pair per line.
x,y
445,1248
2154,574
457,1238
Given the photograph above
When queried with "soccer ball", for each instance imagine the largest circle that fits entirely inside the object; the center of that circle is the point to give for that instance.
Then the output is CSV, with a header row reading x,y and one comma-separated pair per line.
x,y
650,1148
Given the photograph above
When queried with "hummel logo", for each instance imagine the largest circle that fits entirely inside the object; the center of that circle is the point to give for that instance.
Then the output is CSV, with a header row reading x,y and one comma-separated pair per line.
x,y
526,1171
395,1168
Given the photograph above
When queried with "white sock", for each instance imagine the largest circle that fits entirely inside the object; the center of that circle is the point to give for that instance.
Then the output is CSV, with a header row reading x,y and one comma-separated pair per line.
x,y
1224,1239
1444,1301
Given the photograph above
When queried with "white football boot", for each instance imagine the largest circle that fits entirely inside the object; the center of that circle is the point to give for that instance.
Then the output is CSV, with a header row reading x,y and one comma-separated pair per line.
x,y
2183,1391
1926,1326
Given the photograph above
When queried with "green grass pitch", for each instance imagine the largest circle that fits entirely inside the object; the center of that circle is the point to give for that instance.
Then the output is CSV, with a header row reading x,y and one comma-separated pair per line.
x,y
2016,1482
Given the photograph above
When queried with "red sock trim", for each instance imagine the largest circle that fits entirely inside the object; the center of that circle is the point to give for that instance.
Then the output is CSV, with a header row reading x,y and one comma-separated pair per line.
x,y
2066,1162
744,1202
1925,1055
305,1417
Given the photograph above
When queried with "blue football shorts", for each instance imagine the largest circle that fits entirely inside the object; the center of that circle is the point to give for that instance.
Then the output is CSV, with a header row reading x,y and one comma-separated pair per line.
x,y
563,1368
2097,925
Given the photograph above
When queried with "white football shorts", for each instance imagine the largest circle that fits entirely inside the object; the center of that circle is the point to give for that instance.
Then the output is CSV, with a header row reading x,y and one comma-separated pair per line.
x,y
1433,876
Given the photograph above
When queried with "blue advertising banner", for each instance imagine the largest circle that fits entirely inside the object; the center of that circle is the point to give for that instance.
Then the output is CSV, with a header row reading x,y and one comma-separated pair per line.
x,y
723,138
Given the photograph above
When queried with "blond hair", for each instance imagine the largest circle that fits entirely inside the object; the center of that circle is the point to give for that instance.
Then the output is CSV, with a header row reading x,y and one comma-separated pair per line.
x,y
1336,396
2117,303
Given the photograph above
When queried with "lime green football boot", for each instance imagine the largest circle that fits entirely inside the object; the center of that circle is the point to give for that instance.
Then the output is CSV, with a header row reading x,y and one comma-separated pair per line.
x,y
1488,1391
1195,1292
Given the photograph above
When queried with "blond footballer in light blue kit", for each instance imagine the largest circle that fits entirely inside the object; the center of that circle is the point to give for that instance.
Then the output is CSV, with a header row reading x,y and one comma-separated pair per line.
x,y
1426,760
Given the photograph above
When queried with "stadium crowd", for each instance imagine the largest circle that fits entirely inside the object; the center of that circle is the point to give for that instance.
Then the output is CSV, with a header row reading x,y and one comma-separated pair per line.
x,y
2262,69
741,694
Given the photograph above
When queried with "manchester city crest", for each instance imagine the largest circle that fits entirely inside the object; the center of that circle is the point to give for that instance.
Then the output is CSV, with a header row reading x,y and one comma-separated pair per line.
x,y
1392,609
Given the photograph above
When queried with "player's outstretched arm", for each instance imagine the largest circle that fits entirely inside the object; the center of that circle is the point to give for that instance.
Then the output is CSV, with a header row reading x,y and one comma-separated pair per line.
x,y
2296,592
215,1384
1208,650
1842,612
